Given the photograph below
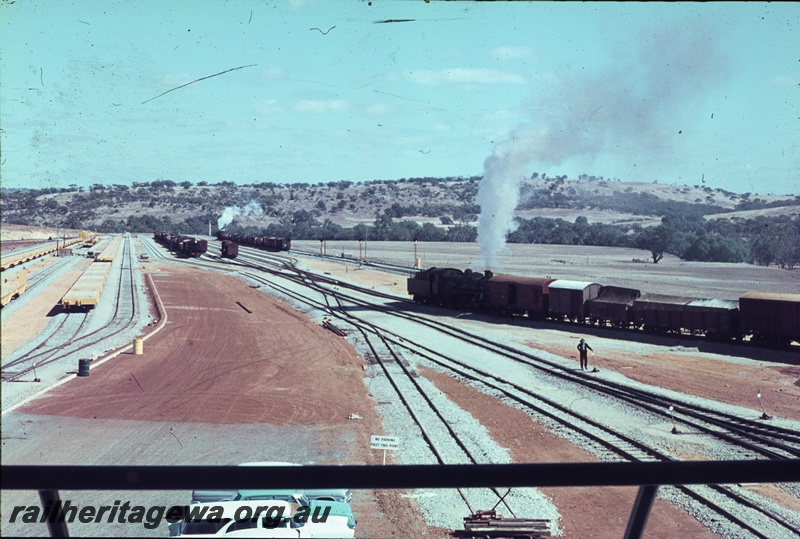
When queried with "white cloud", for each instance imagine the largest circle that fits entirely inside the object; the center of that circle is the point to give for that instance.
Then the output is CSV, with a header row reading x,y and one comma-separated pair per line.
x,y
464,76
378,110
510,53
268,106
174,80
274,73
499,114
321,105
786,81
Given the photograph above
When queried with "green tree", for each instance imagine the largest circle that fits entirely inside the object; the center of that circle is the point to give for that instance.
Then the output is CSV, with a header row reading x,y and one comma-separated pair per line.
x,y
430,232
716,248
462,233
657,240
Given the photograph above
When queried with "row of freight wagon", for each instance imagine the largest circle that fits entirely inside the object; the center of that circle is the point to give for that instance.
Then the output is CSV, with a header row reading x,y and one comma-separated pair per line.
x,y
184,245
765,317
267,243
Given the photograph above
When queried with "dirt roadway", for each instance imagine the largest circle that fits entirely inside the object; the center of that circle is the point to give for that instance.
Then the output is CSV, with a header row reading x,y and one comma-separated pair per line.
x,y
217,385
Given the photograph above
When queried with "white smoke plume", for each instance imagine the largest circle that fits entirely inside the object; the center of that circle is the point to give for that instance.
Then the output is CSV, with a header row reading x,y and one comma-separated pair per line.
x,y
231,212
637,107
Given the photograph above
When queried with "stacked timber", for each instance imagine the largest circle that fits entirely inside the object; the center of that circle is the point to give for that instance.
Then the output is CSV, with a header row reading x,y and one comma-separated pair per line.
x,y
485,524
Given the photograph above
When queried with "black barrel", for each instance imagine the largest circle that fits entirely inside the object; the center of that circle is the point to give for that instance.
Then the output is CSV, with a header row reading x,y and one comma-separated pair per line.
x,y
83,367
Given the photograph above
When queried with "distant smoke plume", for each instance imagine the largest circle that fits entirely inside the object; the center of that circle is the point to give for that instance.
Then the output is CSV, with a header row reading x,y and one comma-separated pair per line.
x,y
231,212
636,107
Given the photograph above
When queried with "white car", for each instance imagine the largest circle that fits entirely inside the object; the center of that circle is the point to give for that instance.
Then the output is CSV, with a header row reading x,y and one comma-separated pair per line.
x,y
329,494
272,518
335,520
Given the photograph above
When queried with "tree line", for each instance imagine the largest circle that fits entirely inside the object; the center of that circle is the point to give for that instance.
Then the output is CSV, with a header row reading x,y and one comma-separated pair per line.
x,y
449,202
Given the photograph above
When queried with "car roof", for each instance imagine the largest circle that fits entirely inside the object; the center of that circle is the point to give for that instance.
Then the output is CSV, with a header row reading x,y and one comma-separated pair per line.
x,y
337,508
326,491
269,463
247,493
229,508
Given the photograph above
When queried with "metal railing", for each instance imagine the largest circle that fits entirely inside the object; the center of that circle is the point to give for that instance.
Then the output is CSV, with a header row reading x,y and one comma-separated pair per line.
x,y
648,476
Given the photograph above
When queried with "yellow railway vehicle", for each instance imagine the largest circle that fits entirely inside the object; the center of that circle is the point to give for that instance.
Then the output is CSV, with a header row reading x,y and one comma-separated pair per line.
x,y
88,238
14,259
110,251
13,285
85,292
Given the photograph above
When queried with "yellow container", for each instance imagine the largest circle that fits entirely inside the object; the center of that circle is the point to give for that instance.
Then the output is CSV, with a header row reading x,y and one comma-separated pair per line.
x,y
138,347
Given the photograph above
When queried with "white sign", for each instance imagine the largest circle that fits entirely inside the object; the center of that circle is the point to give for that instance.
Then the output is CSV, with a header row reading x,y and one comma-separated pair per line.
x,y
384,442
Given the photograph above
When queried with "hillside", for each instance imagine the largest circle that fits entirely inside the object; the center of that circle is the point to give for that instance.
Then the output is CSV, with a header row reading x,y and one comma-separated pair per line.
x,y
349,204
694,223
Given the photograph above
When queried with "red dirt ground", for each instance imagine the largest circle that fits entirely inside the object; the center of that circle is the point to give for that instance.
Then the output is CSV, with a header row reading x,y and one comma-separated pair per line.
x,y
586,512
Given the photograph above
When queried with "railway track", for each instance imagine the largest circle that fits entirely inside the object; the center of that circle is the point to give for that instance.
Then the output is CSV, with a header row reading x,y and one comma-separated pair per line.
x,y
616,446
754,438
752,433
444,444
68,340
622,332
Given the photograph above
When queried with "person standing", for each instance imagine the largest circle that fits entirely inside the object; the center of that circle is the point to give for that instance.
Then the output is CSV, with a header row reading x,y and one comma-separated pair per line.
x,y
583,348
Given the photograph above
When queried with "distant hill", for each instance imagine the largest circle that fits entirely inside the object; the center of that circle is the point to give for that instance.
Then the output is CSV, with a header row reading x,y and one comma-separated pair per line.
x,y
694,223
435,200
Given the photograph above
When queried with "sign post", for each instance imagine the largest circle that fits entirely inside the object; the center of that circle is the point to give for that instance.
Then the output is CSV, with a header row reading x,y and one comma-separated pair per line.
x,y
384,442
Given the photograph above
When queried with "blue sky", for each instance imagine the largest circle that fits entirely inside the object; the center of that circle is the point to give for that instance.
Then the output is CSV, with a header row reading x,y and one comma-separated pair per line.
x,y
683,93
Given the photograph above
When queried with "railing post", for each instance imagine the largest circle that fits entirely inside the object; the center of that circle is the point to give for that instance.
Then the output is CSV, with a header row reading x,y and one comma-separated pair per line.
x,y
56,523
641,511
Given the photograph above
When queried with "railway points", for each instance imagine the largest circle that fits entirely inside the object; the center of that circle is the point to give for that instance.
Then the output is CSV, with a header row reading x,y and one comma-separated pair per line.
x,y
344,309
321,286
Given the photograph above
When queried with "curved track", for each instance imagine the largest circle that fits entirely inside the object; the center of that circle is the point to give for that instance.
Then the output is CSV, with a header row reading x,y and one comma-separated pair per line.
x,y
752,437
67,338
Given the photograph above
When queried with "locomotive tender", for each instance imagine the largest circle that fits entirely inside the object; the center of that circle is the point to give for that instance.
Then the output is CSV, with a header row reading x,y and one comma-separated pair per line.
x,y
765,317
266,243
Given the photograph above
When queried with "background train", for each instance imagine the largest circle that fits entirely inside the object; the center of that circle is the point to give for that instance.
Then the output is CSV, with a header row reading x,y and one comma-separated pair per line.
x,y
261,242
185,245
768,318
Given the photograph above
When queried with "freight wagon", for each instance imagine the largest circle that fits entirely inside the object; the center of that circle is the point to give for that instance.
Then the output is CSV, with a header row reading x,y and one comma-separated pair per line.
x,y
613,306
568,299
770,318
518,295
229,249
